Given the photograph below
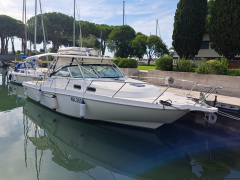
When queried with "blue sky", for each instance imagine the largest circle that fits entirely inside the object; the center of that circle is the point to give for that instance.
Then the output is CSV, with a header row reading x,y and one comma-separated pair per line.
x,y
140,14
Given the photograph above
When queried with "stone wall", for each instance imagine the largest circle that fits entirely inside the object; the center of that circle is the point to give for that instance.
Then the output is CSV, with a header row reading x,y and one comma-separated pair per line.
x,y
230,84
130,71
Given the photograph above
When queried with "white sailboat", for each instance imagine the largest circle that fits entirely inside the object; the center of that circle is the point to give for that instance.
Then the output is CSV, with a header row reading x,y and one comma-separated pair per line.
x,y
84,85
28,70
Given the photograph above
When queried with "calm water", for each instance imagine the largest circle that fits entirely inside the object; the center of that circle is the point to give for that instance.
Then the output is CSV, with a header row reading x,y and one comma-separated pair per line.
x,y
37,143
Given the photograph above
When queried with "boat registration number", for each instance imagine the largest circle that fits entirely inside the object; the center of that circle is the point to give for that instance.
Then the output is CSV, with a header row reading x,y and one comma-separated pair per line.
x,y
76,99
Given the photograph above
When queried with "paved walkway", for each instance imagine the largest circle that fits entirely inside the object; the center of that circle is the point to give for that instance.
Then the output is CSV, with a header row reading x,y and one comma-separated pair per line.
x,y
220,98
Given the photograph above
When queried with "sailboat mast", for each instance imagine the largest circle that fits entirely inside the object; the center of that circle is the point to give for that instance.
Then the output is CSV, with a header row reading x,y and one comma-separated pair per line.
x,y
74,23
123,11
22,24
35,29
44,36
25,41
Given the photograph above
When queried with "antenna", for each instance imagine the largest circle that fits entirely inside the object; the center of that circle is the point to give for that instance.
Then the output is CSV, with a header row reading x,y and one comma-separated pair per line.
x,y
157,28
101,44
80,29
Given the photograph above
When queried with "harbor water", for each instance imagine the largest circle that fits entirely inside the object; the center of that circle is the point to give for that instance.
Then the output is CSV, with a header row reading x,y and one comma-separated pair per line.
x,y
39,144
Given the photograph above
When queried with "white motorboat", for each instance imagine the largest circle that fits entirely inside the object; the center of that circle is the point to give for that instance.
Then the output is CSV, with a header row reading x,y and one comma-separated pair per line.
x,y
26,71
94,88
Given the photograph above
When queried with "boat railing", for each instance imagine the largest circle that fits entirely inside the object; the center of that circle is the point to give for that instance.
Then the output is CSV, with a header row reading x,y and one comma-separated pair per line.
x,y
208,90
116,81
168,81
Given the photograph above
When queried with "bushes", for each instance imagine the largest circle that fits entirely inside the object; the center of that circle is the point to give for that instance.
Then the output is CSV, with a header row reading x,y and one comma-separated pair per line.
x,y
164,63
116,61
186,66
213,67
233,72
128,63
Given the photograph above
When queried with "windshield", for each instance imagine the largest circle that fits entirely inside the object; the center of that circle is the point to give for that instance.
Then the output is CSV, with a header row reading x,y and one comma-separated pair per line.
x,y
89,71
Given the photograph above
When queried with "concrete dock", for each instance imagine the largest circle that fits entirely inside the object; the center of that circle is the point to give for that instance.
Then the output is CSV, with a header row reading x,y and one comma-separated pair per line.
x,y
221,99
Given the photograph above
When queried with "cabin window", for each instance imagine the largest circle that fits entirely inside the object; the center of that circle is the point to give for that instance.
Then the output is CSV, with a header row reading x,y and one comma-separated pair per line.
x,y
63,72
103,71
75,71
88,72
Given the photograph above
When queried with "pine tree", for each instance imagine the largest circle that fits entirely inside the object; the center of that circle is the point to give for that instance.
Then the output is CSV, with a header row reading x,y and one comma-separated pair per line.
x,y
189,27
224,27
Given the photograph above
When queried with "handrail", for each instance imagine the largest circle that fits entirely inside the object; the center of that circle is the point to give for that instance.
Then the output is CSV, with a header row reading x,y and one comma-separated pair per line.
x,y
124,83
211,88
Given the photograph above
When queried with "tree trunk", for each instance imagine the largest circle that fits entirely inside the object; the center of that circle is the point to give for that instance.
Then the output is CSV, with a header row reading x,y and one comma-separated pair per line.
x,y
6,45
30,53
2,45
149,58
13,48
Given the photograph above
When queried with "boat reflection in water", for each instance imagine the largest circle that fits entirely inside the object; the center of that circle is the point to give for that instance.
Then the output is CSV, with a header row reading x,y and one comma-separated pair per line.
x,y
181,150
9,93
18,92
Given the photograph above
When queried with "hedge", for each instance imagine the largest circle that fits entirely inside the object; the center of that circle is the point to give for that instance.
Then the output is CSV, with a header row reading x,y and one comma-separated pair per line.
x,y
128,63
164,63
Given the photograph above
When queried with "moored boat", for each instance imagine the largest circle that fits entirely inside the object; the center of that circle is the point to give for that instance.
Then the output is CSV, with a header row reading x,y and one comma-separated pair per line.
x,y
84,85
26,71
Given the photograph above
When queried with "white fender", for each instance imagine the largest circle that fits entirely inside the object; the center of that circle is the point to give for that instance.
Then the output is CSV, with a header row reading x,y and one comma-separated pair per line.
x,y
39,96
82,109
54,102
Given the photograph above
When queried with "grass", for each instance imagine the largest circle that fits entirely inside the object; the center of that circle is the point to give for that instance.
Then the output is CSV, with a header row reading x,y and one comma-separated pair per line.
x,y
146,67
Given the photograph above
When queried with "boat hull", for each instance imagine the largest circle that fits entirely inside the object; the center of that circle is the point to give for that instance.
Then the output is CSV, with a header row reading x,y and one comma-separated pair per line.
x,y
17,78
107,109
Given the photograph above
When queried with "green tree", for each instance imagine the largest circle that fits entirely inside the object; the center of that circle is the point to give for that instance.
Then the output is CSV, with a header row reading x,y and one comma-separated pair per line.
x,y
90,42
88,28
224,29
105,31
209,5
9,28
120,41
189,27
31,29
139,45
155,47
59,29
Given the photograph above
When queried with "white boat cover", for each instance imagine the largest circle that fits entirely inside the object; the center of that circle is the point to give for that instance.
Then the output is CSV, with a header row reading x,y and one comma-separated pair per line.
x,y
82,51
